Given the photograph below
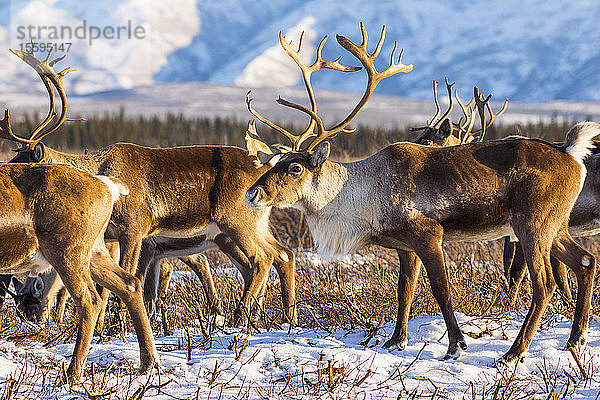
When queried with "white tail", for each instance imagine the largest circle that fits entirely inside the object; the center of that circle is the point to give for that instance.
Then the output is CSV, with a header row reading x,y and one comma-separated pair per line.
x,y
116,186
578,142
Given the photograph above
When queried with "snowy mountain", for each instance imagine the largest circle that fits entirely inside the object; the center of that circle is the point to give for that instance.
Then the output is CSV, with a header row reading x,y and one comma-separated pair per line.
x,y
533,51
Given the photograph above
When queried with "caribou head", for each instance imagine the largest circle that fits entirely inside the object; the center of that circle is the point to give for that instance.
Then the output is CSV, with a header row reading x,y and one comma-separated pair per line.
x,y
298,166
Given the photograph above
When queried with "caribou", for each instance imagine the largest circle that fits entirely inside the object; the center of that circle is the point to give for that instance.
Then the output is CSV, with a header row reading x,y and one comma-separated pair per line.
x,y
584,219
193,194
55,216
413,198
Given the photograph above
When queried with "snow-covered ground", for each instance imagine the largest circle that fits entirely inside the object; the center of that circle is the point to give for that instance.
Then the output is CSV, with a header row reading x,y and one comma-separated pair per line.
x,y
299,363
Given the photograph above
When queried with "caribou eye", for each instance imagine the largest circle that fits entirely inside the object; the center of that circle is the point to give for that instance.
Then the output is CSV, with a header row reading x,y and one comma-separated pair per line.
x,y
294,169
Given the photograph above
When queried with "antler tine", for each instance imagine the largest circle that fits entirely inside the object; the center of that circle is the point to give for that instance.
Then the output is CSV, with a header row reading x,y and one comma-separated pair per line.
x,y
466,127
437,104
265,121
50,78
449,110
307,70
462,106
51,111
7,133
481,104
318,121
373,79
319,62
460,121
499,113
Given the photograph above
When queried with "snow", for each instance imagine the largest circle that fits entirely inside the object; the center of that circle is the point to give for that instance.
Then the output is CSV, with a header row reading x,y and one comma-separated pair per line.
x,y
273,67
103,63
534,51
273,358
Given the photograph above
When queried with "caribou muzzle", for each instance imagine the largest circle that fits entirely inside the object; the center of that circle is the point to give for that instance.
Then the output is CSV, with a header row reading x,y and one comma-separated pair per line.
x,y
254,197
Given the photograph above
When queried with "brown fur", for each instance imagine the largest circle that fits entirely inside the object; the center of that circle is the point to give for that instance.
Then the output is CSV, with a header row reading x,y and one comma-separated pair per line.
x,y
35,296
180,191
582,222
412,198
55,215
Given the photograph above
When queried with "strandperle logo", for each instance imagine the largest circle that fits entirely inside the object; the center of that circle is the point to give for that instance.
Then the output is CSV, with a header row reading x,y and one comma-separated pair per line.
x,y
82,31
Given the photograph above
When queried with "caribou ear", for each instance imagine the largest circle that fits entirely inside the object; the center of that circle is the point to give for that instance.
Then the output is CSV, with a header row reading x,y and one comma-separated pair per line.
x,y
38,152
320,154
38,287
445,129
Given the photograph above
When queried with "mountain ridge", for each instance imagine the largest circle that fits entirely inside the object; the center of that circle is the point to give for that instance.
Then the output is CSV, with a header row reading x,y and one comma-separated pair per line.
x,y
533,51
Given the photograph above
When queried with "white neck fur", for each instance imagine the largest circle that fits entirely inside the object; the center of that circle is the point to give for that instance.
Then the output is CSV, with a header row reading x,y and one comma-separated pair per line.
x,y
335,209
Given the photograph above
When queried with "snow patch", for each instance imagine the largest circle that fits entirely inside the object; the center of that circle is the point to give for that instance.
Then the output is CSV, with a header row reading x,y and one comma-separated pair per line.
x,y
274,68
281,359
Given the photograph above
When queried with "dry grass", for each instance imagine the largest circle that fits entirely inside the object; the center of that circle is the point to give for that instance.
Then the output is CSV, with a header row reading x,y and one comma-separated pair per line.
x,y
337,295
330,296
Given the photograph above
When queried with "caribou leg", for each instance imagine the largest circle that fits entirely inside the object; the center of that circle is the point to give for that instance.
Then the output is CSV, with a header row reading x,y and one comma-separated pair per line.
x,y
410,266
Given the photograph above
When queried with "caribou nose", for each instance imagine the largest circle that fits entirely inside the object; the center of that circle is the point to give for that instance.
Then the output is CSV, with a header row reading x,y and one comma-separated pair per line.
x,y
253,195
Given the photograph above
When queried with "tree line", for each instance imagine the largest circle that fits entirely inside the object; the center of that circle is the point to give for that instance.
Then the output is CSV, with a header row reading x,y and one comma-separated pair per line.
x,y
177,129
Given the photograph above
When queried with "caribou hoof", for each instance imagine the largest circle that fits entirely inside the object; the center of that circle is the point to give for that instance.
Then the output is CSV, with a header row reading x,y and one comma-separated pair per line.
x,y
576,341
395,344
454,351
452,355
507,361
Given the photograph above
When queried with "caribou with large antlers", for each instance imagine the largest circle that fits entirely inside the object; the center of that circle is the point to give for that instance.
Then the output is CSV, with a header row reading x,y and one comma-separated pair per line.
x,y
56,216
190,193
584,216
413,198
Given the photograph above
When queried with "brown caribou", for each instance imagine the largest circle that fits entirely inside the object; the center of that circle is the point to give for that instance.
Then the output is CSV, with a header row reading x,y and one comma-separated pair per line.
x,y
193,195
413,198
55,216
584,219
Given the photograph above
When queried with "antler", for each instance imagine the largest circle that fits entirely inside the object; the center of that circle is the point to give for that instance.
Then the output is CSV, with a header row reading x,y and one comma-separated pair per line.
x,y
318,64
482,103
437,104
49,77
432,123
374,77
449,110
464,129
465,125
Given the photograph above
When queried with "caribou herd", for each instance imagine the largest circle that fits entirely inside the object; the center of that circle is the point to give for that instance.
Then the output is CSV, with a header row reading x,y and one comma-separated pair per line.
x,y
63,212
